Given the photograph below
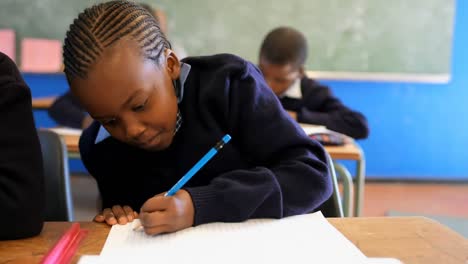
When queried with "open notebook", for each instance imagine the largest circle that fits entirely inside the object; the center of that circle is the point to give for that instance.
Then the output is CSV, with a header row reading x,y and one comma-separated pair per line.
x,y
312,129
298,238
65,131
325,136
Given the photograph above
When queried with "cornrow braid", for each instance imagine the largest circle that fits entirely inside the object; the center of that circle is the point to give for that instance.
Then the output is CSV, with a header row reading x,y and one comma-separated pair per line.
x,y
102,25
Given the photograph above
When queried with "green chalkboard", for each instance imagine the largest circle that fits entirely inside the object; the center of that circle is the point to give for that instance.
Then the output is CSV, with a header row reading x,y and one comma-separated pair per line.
x,y
390,36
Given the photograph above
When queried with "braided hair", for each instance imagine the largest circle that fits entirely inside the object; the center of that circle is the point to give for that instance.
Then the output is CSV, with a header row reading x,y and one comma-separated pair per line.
x,y
102,25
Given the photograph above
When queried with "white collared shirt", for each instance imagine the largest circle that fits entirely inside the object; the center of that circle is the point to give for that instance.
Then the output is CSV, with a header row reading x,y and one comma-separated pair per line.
x,y
294,91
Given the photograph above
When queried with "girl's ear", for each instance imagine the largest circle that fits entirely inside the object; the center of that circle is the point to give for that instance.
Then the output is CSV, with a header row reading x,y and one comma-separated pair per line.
x,y
172,64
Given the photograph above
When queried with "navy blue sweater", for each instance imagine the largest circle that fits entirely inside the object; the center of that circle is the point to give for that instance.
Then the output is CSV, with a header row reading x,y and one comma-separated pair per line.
x,y
269,169
21,171
319,106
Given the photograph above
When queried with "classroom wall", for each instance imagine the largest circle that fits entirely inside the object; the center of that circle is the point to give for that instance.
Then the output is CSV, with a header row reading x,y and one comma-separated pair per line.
x,y
418,131
346,35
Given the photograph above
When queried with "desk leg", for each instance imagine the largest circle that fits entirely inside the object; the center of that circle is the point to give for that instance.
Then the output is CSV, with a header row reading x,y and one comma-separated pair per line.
x,y
359,187
347,181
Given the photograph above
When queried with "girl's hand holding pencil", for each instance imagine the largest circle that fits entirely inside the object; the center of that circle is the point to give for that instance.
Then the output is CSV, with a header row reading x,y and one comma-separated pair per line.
x,y
166,214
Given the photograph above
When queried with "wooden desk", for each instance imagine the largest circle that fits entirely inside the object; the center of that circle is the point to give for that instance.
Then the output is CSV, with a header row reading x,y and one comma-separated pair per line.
x,y
410,239
43,102
72,143
346,152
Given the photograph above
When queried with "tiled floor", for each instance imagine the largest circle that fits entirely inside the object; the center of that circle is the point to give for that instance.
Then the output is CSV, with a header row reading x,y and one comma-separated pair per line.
x,y
423,198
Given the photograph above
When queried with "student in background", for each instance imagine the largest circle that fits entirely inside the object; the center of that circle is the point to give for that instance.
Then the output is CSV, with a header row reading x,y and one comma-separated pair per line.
x,y
282,57
161,115
67,111
21,172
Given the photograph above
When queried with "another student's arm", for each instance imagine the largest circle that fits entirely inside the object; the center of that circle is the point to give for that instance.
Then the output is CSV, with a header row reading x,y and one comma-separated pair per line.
x,y
66,111
288,173
322,108
21,172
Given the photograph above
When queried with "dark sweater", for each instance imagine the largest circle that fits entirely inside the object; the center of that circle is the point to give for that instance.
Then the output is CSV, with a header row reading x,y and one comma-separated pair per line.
x,y
319,106
67,111
21,173
269,169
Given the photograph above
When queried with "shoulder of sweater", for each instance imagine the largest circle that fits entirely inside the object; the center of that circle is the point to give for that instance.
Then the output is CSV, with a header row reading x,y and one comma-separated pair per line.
x,y
312,87
9,68
88,140
222,63
88,137
5,62
11,81
94,154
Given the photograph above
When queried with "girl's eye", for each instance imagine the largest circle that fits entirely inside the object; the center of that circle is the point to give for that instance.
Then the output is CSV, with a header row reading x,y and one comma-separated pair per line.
x,y
140,107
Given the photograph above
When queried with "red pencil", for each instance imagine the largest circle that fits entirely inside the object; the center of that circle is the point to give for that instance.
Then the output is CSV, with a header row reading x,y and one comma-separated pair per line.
x,y
66,247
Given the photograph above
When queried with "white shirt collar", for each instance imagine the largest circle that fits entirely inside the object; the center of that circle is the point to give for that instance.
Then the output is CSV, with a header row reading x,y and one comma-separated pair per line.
x,y
294,91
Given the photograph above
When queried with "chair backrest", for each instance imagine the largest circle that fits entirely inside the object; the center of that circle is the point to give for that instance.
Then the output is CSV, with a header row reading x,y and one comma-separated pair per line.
x,y
333,206
59,205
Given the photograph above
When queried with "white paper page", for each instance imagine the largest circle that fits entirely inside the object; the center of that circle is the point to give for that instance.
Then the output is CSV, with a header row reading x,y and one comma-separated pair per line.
x,y
312,129
383,261
290,239
315,129
93,259
64,131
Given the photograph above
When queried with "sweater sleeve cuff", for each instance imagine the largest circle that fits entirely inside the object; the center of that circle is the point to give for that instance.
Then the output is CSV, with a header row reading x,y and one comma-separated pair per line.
x,y
206,205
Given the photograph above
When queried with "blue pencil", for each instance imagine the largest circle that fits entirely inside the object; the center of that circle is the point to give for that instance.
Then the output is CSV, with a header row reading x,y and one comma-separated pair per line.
x,y
198,165
194,169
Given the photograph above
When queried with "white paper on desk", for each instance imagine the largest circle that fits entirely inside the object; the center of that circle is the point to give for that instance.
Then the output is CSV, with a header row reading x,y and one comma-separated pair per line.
x,y
296,238
383,261
65,131
313,129
94,259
